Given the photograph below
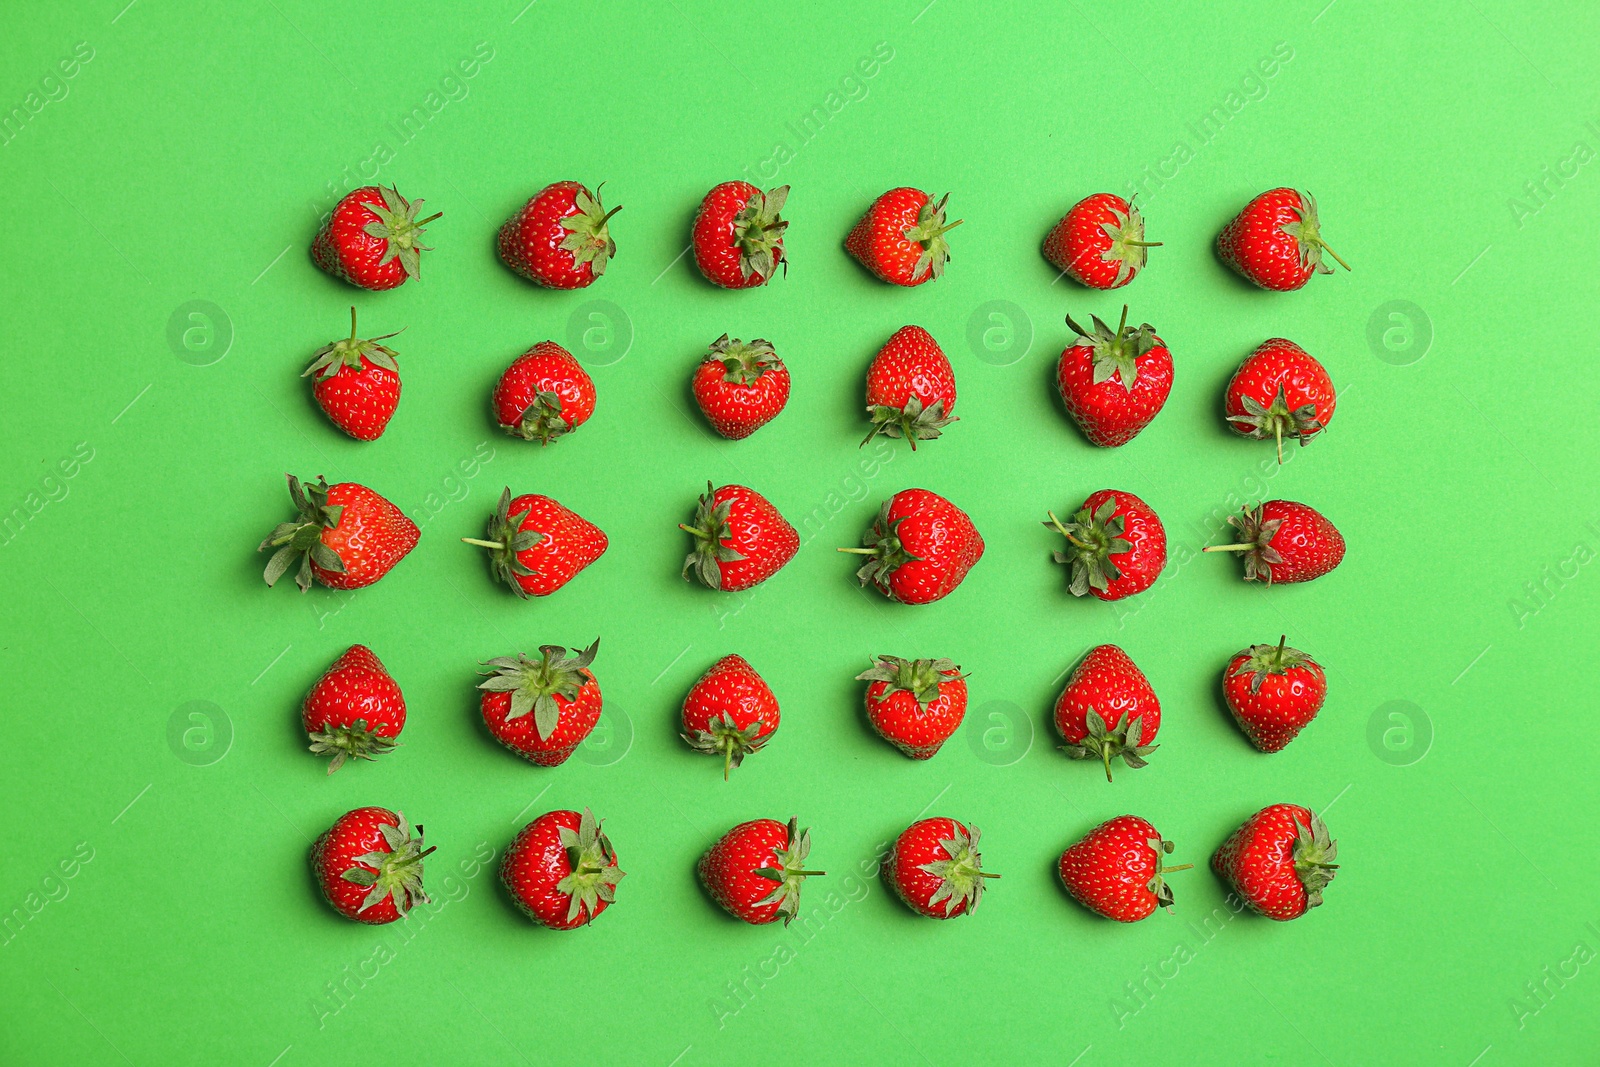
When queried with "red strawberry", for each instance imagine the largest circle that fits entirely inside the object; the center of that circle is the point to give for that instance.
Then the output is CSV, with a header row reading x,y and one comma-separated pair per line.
x,y
740,540
730,712
355,710
1116,545
901,237
1284,541
543,708
1108,710
1274,692
756,869
915,704
347,536
544,394
358,383
911,388
920,546
1279,861
536,546
1275,241
738,235
1116,869
372,239
1279,391
561,870
369,865
1100,242
1114,384
740,387
936,869
561,238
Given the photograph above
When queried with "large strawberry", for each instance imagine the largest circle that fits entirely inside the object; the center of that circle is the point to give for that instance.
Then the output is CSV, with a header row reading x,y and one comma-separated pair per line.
x,y
542,708
561,238
1116,546
1276,242
740,539
368,865
358,383
373,239
911,388
901,237
1114,383
1279,861
755,870
1274,692
1284,541
738,235
355,710
1108,710
1116,870
915,704
544,394
1100,242
730,712
1279,391
346,537
920,547
536,545
935,868
561,870
740,387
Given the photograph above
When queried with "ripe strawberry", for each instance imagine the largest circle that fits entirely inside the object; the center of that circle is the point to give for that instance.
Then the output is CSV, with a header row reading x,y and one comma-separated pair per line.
x,y
730,712
543,708
1114,384
740,540
544,394
1100,242
1284,541
1275,241
936,869
1274,692
755,870
1279,391
738,235
920,546
1279,861
911,388
368,865
561,871
901,237
1116,545
347,536
358,383
561,238
740,387
1108,710
372,239
355,710
915,704
1116,869
536,546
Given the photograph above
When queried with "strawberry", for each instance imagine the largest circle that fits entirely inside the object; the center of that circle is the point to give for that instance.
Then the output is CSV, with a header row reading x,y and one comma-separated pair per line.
x,y
543,708
1116,869
561,238
936,869
1274,692
1116,545
1279,391
738,235
915,704
730,712
1284,541
1100,242
355,710
1114,384
911,388
347,536
544,394
1279,861
740,540
369,865
536,546
920,546
358,383
901,237
1108,710
561,870
1275,241
740,387
373,239
755,870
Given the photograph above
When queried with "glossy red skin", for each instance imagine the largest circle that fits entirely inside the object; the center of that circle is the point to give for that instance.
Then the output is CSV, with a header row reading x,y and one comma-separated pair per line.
x,y
1109,871
576,720
1109,414
1257,862
544,368
879,243
942,538
355,833
1075,244
733,688
1255,245
726,869
535,864
902,722
345,250
760,534
1108,681
355,687
359,402
530,240
1285,704
570,543
1279,362
736,410
715,252
911,363
1141,565
919,844
1310,545
371,537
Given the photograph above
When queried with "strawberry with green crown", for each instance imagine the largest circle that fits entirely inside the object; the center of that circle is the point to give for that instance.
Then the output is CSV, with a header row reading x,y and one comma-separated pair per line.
x,y
738,235
901,237
542,709
561,871
1279,861
1276,241
936,870
357,383
373,238
754,872
561,239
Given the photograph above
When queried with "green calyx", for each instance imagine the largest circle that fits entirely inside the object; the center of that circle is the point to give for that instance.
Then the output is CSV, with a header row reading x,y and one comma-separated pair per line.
x,y
506,540
886,553
709,529
1128,245
332,358
919,677
1106,743
397,225
961,876
743,363
1304,231
357,741
534,684
594,874
1157,884
589,233
929,233
303,539
1314,853
789,873
1270,659
1115,353
1255,541
726,738
541,420
1093,538
913,422
1276,420
396,873
758,233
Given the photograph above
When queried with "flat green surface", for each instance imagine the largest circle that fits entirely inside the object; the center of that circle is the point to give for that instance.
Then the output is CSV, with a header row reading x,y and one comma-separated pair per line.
x,y
188,160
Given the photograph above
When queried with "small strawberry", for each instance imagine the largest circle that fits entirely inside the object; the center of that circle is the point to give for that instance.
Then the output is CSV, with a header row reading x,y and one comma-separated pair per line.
x,y
936,869
740,539
544,394
1279,861
1274,692
1100,242
755,870
1108,710
561,238
901,237
740,387
1116,869
561,870
915,704
543,708
1284,541
1116,545
536,546
372,239
730,712
369,865
738,235
1114,384
911,388
920,546
347,536
1275,241
358,383
1279,391
355,710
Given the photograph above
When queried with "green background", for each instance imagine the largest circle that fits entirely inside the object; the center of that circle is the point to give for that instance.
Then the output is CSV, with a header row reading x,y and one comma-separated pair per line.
x,y
152,681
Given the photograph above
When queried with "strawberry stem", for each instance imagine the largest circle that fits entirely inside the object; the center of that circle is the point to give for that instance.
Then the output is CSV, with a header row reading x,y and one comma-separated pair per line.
x,y
859,551
483,544
1229,548
1332,253
1143,244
